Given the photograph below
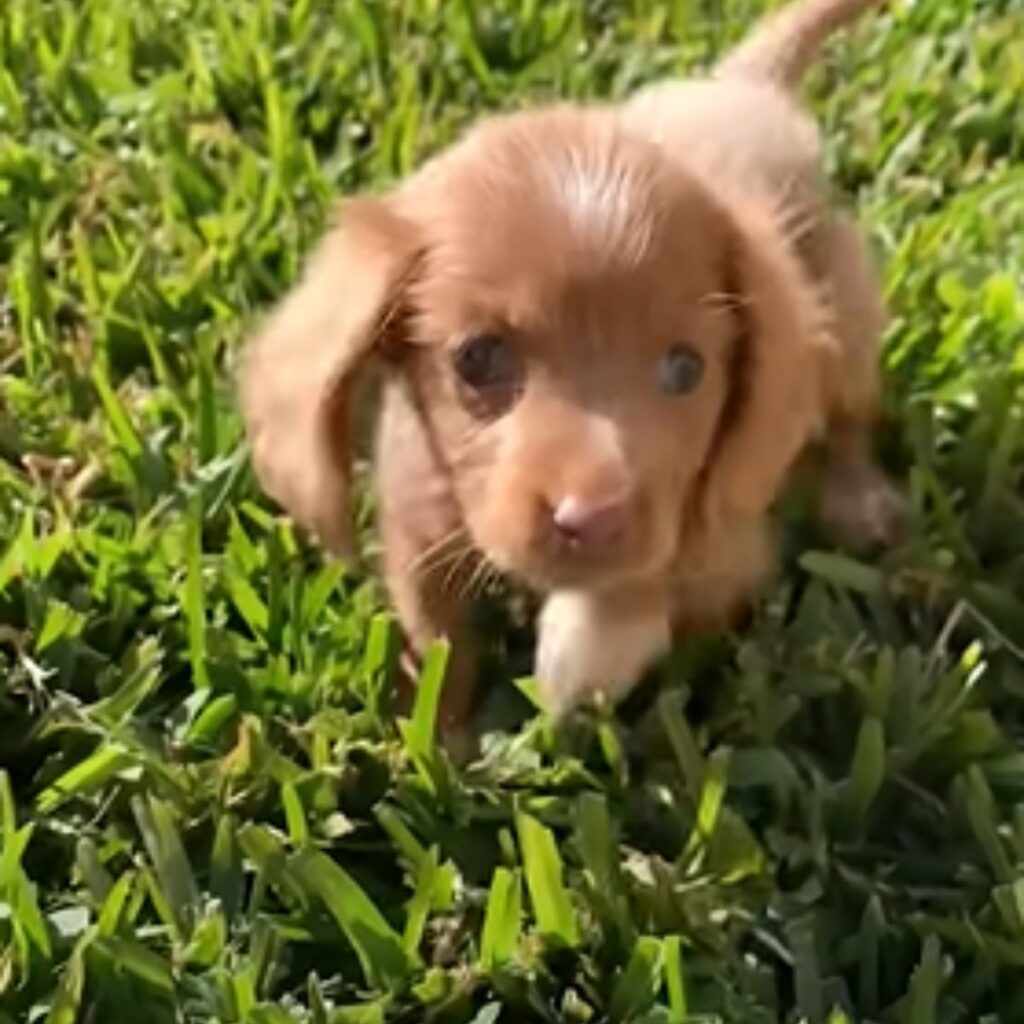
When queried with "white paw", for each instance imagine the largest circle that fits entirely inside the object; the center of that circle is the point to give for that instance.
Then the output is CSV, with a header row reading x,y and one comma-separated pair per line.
x,y
584,650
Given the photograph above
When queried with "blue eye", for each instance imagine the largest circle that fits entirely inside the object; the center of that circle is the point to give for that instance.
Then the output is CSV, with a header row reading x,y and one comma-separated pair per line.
x,y
680,370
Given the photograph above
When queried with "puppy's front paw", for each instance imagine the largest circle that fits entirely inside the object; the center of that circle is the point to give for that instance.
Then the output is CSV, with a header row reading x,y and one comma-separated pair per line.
x,y
862,507
586,649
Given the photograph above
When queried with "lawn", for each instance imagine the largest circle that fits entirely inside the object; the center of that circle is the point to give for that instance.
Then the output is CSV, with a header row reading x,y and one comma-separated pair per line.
x,y
208,811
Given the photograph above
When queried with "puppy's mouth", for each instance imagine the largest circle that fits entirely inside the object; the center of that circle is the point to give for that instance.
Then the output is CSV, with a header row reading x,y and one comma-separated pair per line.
x,y
566,574
572,567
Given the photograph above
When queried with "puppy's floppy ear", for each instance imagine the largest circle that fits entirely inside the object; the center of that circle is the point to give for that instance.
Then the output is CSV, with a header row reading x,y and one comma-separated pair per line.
x,y
296,371
777,399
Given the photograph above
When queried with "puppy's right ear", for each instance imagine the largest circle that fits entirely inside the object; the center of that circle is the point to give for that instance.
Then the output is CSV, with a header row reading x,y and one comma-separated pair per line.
x,y
296,372
776,405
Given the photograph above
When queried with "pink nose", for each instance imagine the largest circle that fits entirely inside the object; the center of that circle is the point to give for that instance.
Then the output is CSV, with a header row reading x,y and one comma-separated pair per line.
x,y
590,524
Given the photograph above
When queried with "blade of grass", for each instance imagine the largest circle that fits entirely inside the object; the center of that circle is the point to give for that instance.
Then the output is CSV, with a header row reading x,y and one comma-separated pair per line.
x,y
194,599
542,865
637,987
502,919
379,948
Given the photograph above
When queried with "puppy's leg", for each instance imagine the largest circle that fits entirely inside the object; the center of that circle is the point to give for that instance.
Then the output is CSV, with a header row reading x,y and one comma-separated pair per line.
x,y
591,645
428,558
426,581
857,502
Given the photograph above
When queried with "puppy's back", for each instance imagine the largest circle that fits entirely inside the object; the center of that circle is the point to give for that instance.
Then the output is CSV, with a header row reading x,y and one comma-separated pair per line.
x,y
743,125
747,134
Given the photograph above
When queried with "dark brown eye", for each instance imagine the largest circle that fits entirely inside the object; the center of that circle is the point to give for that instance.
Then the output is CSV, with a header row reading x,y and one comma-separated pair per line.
x,y
680,370
485,361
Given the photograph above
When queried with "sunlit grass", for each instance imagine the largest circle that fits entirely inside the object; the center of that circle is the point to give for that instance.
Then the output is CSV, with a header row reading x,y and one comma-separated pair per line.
x,y
207,808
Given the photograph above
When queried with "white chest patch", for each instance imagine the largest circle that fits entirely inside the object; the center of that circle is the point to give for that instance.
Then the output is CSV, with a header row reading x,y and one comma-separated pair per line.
x,y
585,650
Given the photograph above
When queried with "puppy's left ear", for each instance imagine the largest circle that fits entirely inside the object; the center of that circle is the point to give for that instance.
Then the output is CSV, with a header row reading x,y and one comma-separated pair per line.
x,y
777,398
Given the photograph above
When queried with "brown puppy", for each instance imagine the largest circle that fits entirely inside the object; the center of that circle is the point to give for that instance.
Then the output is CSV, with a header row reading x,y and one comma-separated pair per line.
x,y
608,333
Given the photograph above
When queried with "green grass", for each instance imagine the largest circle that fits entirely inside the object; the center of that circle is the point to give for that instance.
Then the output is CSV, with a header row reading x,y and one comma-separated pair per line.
x,y
207,810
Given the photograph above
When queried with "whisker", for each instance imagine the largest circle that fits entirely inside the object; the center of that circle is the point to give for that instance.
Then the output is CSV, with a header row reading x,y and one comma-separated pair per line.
x,y
451,561
452,575
491,578
423,559
477,582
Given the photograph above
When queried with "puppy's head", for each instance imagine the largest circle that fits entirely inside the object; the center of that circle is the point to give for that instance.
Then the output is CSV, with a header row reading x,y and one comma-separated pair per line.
x,y
603,354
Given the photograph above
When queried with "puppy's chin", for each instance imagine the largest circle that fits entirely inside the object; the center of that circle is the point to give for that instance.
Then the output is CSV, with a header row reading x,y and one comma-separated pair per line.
x,y
546,571
547,574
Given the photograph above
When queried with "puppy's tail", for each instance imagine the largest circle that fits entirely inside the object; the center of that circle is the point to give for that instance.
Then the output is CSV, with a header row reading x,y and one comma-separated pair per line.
x,y
783,46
